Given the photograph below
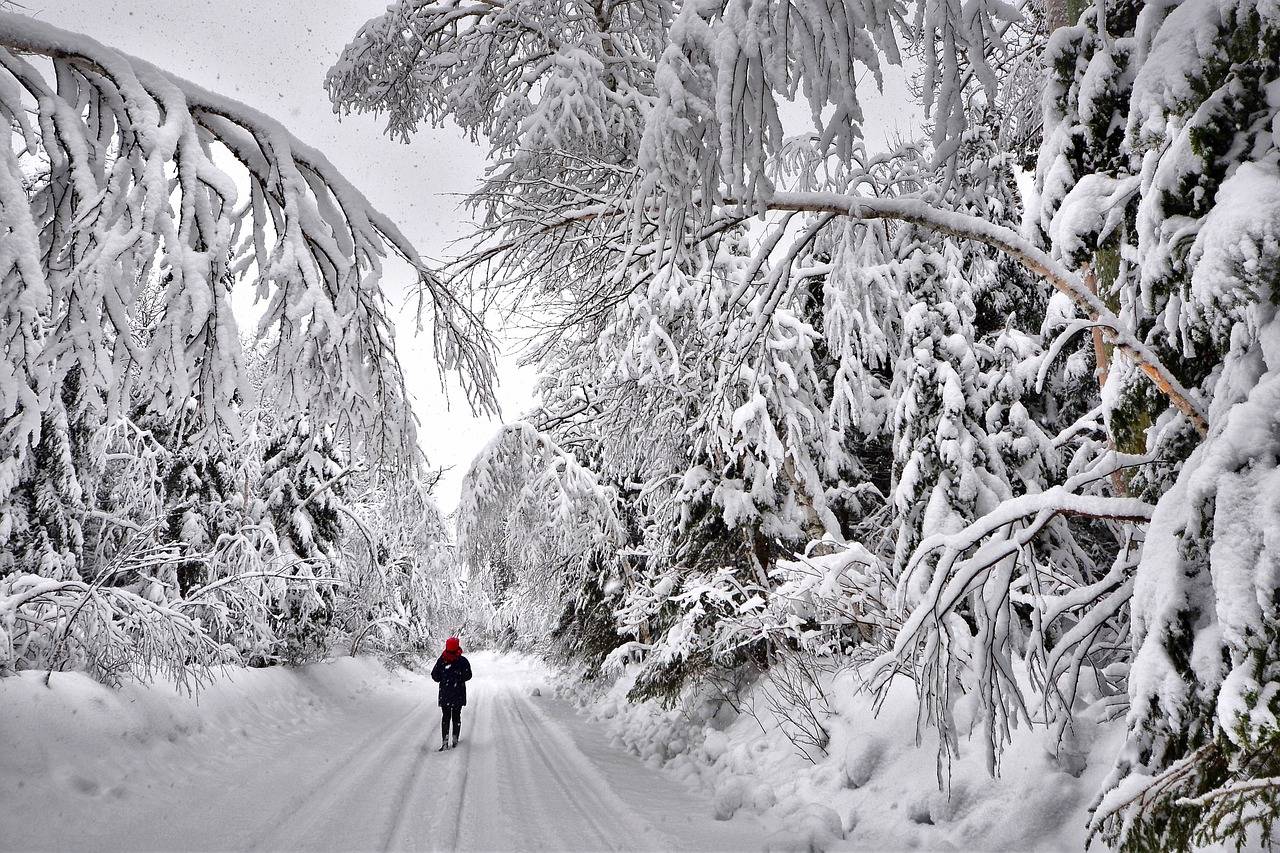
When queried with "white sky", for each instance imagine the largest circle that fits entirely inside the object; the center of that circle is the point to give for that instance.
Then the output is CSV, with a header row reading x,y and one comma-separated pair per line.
x,y
273,55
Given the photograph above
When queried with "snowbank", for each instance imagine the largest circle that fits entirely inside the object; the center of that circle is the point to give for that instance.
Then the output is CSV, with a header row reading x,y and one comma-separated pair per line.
x,y
107,760
874,788
100,752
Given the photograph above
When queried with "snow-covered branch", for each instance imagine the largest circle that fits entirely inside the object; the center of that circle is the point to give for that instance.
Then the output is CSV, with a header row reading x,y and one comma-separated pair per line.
x,y
969,227
112,633
531,519
128,202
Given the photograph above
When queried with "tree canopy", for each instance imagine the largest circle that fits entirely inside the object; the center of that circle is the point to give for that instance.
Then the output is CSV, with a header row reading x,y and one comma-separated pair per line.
x,y
1024,417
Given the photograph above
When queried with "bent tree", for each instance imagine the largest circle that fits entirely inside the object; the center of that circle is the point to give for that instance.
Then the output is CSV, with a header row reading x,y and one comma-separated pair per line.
x,y
134,426
760,340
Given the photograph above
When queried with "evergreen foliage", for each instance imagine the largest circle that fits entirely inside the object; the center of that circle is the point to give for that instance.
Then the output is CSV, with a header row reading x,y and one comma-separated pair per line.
x,y
1018,455
144,526
798,400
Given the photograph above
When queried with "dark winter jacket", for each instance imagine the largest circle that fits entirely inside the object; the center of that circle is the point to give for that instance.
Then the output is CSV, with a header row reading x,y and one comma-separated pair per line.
x,y
453,678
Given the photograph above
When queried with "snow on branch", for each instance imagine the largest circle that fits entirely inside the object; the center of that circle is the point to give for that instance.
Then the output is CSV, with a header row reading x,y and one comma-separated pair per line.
x,y
532,517
521,72
111,633
953,577
600,230
960,588
970,227
125,239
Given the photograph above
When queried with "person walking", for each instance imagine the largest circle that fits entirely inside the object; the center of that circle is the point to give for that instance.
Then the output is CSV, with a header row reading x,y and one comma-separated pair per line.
x,y
452,672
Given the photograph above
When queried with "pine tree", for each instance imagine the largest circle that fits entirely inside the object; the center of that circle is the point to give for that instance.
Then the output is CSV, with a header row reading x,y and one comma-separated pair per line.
x,y
1204,169
44,515
302,485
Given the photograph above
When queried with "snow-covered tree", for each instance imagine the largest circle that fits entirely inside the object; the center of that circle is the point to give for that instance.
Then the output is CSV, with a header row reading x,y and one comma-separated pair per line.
x,y
135,206
1187,191
405,589
1064,425
302,485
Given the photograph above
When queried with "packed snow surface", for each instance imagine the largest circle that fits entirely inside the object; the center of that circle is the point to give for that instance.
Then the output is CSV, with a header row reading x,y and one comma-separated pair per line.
x,y
335,756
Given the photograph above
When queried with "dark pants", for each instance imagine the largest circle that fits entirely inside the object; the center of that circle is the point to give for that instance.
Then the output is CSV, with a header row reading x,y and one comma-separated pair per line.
x,y
447,713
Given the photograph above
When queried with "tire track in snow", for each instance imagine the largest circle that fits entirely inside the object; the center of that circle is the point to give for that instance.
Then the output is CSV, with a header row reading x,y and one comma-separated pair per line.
x,y
289,824
536,801
588,790
573,793
395,838
400,810
462,798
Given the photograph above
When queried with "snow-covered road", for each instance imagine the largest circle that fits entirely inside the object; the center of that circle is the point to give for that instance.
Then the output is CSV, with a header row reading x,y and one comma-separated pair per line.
x,y
363,774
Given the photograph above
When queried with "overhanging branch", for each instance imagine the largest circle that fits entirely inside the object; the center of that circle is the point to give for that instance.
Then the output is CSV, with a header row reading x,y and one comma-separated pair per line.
x,y
970,227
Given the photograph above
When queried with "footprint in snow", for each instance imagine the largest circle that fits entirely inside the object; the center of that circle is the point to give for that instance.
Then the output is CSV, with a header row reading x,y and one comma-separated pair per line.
x,y
88,787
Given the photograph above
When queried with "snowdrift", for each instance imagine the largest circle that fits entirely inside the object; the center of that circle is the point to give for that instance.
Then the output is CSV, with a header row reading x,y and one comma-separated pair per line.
x,y
93,754
876,787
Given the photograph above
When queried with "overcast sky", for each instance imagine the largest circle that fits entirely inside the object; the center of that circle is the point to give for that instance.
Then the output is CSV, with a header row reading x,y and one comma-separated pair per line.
x,y
273,55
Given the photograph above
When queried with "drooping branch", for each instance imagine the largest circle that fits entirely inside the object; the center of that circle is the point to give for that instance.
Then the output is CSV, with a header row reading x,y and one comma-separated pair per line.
x,y
969,227
130,200
909,210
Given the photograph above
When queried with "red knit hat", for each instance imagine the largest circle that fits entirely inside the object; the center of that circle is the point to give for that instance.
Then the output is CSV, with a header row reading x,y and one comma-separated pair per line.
x,y
453,644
